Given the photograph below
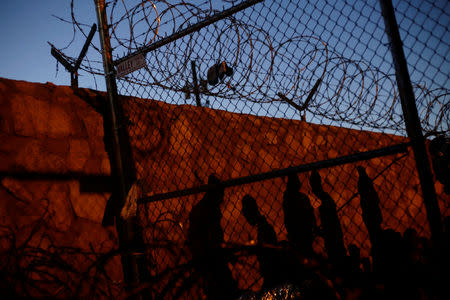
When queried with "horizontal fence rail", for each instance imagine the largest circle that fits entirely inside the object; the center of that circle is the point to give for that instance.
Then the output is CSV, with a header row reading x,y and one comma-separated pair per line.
x,y
281,173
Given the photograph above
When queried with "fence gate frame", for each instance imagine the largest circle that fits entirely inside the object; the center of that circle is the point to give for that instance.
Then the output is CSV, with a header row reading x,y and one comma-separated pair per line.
x,y
124,176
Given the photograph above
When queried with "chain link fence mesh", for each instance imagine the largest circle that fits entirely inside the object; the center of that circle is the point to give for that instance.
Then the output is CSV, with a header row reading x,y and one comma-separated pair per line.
x,y
278,84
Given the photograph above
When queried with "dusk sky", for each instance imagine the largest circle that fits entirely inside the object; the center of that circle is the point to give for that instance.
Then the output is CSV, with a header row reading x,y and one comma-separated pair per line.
x,y
25,28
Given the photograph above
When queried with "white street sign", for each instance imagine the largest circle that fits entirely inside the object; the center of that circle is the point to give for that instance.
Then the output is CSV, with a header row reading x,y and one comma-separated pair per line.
x,y
132,64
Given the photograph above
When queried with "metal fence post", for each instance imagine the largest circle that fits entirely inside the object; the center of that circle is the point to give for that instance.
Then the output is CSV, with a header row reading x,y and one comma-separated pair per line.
x,y
195,81
130,237
412,121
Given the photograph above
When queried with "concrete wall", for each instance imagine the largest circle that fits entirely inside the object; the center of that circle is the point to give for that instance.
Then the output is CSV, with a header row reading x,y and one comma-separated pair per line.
x,y
52,139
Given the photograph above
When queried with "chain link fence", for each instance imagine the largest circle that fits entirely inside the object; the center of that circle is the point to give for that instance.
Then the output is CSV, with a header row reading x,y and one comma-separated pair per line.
x,y
265,91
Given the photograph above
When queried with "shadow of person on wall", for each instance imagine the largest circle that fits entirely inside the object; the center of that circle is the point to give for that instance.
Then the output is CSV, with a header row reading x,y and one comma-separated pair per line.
x,y
331,226
268,258
370,206
205,236
299,218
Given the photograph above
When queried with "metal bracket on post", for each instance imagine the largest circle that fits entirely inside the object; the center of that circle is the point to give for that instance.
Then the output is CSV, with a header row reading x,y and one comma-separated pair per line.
x,y
195,81
73,70
412,121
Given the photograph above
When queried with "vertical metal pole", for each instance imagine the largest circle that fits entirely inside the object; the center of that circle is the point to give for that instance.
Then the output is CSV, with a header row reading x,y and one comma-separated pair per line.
x,y
194,77
74,79
128,231
412,121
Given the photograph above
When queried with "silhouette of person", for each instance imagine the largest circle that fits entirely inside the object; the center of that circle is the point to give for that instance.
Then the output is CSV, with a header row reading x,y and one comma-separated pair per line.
x,y
299,218
411,272
410,246
369,201
353,270
389,264
440,159
446,224
331,226
267,258
205,236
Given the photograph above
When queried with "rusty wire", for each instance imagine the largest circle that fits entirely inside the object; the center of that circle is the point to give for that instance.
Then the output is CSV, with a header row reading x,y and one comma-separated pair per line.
x,y
36,264
349,89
